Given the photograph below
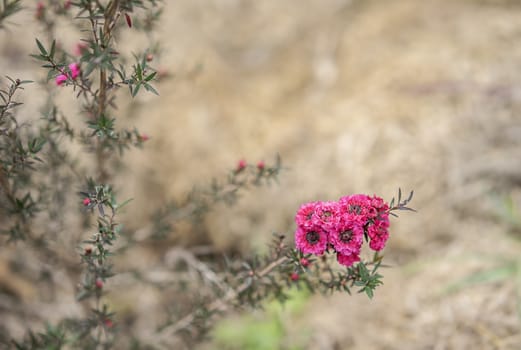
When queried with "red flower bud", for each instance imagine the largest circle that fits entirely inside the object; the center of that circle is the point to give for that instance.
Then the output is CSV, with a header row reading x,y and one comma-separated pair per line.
x,y
129,21
99,283
260,165
40,7
294,276
144,137
108,323
86,201
149,57
88,251
240,166
304,262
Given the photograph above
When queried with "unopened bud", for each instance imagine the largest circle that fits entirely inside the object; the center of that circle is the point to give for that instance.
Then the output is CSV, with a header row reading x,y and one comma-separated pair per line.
x,y
241,165
129,20
40,7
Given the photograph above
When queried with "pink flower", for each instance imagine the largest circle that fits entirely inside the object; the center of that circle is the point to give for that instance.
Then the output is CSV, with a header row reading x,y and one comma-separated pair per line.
x,y
382,219
378,230
358,206
379,234
341,226
347,237
86,201
347,260
75,70
60,79
305,214
326,215
379,204
311,240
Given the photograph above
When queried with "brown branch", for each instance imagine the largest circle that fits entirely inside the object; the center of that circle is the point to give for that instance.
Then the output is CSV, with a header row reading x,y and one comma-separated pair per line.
x,y
111,15
215,305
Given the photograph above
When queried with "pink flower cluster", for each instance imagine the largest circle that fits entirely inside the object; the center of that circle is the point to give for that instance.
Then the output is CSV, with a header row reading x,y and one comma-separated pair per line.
x,y
342,226
74,73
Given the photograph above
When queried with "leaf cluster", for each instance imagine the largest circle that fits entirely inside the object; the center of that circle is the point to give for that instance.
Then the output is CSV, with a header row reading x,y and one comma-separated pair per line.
x,y
400,204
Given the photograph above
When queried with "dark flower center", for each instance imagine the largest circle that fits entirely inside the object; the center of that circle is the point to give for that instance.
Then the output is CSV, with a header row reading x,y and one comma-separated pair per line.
x,y
346,236
355,208
312,237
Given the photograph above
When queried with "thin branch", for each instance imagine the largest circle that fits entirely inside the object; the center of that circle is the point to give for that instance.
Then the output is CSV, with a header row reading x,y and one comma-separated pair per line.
x,y
215,305
206,272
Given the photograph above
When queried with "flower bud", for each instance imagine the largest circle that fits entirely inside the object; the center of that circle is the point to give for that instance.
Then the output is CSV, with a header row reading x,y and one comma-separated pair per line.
x,y
99,283
60,79
129,21
260,165
40,8
294,276
241,165
75,70
86,201
304,262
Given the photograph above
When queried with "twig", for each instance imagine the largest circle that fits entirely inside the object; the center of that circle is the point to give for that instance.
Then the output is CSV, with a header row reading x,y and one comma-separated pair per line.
x,y
111,15
192,261
215,305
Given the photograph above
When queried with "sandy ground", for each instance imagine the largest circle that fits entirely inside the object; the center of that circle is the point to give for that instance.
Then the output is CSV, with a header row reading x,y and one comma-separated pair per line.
x,y
356,97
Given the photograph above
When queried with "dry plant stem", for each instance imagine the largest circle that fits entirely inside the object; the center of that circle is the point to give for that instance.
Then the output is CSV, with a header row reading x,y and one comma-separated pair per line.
x,y
215,305
98,307
111,15
208,274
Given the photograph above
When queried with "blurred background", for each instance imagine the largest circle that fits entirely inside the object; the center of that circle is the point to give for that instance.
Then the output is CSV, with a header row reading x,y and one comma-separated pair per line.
x,y
357,96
